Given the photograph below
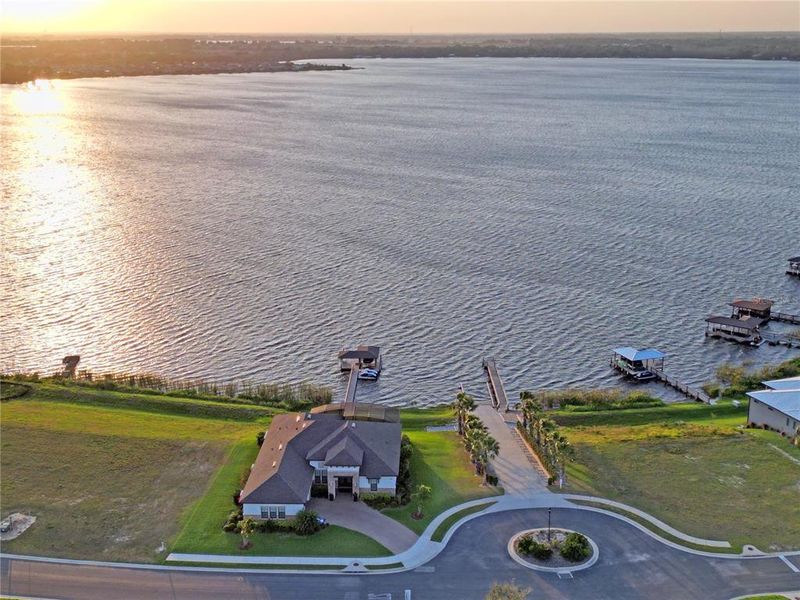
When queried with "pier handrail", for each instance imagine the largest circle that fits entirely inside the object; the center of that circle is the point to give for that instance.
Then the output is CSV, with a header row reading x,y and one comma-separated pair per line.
x,y
684,388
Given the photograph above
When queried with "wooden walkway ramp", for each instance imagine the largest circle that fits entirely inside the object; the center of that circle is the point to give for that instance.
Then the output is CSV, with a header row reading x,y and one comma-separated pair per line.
x,y
352,383
779,339
785,318
497,392
685,389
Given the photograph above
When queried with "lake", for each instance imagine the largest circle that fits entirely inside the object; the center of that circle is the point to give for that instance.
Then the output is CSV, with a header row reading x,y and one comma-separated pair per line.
x,y
542,211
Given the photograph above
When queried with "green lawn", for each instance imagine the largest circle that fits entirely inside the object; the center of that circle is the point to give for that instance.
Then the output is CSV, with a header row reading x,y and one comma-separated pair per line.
x,y
202,525
112,475
445,525
105,480
692,466
440,461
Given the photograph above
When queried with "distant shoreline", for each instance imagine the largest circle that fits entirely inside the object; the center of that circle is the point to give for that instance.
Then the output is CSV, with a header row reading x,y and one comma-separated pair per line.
x,y
29,59
304,68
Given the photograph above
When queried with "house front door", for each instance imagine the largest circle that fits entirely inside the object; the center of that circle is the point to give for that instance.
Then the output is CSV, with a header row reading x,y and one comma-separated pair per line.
x,y
344,484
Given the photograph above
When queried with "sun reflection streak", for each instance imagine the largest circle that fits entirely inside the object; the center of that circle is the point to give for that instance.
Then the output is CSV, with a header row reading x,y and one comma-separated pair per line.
x,y
50,205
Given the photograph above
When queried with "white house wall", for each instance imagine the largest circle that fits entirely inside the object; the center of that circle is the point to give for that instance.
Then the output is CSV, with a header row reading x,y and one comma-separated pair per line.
x,y
385,484
761,414
254,510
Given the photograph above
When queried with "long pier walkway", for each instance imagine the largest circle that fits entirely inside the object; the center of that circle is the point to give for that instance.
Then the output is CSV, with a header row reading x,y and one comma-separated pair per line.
x,y
352,383
780,339
497,392
785,318
685,389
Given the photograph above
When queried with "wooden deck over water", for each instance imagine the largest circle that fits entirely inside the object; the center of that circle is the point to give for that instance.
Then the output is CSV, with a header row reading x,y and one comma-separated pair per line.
x,y
685,389
352,384
496,390
785,318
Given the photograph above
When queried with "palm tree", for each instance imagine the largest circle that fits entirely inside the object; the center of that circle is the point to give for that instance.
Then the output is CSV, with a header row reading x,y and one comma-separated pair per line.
x,y
543,429
463,406
472,423
490,448
420,497
482,448
532,411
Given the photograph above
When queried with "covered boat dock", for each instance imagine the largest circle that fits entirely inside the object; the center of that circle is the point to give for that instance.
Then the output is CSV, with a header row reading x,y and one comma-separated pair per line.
x,y
743,331
638,364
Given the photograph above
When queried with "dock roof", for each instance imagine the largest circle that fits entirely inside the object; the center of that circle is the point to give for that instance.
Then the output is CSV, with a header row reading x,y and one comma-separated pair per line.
x,y
361,353
795,259
643,354
754,304
748,324
785,401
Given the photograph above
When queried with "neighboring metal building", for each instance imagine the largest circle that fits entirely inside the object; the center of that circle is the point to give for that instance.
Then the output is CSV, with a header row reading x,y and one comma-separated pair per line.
x,y
777,408
327,448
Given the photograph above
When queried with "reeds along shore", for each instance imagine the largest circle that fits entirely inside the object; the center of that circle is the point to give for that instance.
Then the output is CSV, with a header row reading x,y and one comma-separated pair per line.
x,y
292,396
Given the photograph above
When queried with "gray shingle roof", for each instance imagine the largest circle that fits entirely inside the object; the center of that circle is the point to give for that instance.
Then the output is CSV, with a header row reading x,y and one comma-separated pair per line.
x,y
345,453
282,474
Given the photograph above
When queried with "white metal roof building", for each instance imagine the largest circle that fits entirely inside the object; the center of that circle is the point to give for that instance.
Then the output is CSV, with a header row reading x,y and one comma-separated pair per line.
x,y
778,407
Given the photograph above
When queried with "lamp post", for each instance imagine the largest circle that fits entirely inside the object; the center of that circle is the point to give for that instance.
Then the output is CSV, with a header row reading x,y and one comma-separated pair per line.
x,y
548,524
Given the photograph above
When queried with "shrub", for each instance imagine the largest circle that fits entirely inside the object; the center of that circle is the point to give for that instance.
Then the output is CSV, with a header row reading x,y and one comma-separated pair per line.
x,y
306,522
274,525
492,479
403,487
529,545
507,591
575,547
319,490
232,522
379,500
260,437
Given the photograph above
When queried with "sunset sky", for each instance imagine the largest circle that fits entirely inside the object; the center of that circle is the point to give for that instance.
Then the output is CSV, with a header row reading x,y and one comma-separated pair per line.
x,y
393,16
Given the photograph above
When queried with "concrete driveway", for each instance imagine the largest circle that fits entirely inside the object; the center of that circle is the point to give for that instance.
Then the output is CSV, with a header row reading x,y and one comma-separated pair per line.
x,y
360,517
519,475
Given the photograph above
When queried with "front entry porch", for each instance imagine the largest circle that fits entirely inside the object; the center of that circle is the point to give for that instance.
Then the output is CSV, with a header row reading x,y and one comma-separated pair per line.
x,y
344,481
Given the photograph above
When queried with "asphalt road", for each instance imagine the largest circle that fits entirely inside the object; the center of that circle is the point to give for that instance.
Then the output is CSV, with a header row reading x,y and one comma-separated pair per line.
x,y
631,565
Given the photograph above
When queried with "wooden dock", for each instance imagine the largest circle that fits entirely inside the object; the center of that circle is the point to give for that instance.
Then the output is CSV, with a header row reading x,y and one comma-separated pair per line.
x,y
777,339
352,384
683,388
497,392
785,318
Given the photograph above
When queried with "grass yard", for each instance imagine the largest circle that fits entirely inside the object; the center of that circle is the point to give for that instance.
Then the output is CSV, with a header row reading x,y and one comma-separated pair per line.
x,y
445,525
692,466
440,461
202,525
105,483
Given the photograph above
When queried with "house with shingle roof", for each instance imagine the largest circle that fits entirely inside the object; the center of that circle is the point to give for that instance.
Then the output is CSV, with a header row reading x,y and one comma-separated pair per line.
x,y
333,447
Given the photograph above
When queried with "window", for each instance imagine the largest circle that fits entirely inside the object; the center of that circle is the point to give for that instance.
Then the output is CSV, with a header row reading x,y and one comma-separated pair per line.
x,y
320,475
373,485
273,512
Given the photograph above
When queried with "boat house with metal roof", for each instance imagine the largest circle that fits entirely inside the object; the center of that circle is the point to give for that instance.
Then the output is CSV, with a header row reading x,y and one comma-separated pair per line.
x,y
777,408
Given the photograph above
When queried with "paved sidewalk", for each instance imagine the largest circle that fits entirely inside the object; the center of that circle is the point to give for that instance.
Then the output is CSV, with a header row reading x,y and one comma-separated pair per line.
x,y
360,517
517,475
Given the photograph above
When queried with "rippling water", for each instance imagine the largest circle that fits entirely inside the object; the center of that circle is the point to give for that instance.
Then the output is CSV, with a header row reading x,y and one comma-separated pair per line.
x,y
544,211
